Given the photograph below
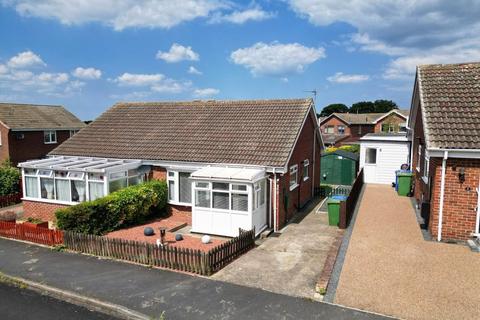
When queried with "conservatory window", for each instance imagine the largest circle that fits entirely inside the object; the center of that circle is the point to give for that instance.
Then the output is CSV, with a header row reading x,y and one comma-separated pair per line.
x,y
259,193
31,187
202,194
78,191
220,195
46,188
62,189
239,202
95,190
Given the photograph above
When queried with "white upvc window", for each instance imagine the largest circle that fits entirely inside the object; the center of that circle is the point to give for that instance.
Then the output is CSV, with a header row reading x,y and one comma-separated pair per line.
x,y
179,188
259,194
49,137
306,165
329,129
293,177
426,169
419,157
222,196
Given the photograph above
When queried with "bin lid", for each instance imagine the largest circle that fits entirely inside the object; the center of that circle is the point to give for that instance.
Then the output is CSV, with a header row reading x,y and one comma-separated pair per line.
x,y
339,197
405,174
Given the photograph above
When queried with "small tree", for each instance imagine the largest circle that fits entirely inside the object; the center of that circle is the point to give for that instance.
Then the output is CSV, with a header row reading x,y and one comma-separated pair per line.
x,y
332,108
9,178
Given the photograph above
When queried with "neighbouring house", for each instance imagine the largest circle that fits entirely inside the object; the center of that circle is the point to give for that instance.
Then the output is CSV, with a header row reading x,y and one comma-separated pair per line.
x,y
383,153
347,128
30,131
228,164
339,167
445,124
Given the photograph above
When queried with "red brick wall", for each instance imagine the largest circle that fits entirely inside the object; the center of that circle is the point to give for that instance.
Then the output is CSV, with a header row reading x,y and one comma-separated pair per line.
x,y
460,199
334,121
40,210
32,146
4,150
158,173
298,197
393,119
357,131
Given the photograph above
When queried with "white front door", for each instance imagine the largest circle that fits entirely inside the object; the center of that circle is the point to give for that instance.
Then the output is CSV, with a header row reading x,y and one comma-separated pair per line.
x,y
370,167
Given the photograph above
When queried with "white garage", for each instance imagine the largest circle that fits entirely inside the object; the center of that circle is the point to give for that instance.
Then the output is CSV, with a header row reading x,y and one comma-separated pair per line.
x,y
381,154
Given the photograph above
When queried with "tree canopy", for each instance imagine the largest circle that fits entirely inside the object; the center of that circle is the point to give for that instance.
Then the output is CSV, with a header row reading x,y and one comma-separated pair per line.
x,y
379,106
332,108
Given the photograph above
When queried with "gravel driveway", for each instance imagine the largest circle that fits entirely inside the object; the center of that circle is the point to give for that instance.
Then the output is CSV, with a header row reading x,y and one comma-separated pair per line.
x,y
389,268
289,264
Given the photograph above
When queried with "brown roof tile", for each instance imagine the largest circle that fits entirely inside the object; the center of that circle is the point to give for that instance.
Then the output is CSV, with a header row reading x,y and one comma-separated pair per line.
x,y
254,132
450,102
31,117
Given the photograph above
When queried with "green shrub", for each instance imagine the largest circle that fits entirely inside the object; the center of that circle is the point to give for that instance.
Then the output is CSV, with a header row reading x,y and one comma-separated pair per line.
x,y
354,148
119,209
9,179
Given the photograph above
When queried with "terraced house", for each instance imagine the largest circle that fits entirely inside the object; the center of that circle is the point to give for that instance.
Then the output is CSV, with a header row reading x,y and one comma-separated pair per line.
x,y
32,131
445,122
228,164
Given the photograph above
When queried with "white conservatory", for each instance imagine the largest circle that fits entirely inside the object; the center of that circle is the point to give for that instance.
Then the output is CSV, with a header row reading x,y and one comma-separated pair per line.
x,y
70,180
226,199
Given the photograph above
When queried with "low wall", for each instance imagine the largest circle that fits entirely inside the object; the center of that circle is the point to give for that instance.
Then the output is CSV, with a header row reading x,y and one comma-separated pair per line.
x,y
41,210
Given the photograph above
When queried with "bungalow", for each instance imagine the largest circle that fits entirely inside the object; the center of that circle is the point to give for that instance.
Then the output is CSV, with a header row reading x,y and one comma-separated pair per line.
x,y
32,131
445,123
345,128
228,164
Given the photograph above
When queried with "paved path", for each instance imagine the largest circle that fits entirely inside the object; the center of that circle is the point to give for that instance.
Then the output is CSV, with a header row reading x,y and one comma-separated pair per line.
x,y
151,291
289,264
23,304
389,267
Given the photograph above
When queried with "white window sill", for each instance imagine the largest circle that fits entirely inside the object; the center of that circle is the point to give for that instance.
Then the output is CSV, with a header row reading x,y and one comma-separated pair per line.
x,y
50,142
68,203
425,179
293,187
185,204
306,178
418,169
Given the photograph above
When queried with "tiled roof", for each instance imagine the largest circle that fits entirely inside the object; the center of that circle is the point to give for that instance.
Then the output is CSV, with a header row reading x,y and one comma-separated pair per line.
x,y
363,118
450,104
31,117
251,132
330,138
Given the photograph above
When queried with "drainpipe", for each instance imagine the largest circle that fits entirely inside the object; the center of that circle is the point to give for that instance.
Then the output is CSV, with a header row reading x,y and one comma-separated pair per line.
x,y
411,150
275,229
477,221
442,195
270,203
313,162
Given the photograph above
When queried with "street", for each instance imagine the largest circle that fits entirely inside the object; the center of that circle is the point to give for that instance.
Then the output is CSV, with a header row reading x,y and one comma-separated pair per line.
x,y
24,304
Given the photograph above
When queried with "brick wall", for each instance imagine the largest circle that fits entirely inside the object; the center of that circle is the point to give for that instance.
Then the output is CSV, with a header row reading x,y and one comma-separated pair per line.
x,y
460,199
32,146
40,210
4,150
298,197
394,119
335,122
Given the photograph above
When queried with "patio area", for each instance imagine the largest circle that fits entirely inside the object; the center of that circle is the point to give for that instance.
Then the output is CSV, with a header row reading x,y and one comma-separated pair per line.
x,y
174,224
389,268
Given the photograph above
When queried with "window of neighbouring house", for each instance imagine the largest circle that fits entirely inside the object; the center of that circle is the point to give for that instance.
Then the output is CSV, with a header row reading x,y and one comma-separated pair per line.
x,y
73,132
419,157
179,187
329,129
50,136
306,165
402,127
293,177
370,156
341,129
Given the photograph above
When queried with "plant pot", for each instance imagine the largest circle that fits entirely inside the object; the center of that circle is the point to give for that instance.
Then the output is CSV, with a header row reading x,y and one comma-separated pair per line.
x,y
36,225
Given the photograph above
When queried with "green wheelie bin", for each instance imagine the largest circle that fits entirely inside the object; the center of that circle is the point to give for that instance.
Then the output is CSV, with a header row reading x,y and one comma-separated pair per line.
x,y
404,180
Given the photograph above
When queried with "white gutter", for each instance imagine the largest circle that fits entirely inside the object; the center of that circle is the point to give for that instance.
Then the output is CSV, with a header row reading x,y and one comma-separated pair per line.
x,y
442,195
455,153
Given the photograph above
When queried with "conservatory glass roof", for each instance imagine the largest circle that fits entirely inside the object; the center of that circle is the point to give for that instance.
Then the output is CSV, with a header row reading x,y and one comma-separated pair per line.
x,y
83,164
228,173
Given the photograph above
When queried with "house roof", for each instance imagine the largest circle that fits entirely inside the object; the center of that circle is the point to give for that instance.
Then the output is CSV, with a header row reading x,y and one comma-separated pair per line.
x,y
333,138
364,118
450,105
37,117
249,132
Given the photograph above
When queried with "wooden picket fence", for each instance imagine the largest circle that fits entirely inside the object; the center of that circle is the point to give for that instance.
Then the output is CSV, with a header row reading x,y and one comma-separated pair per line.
x,y
10,199
28,233
171,257
347,207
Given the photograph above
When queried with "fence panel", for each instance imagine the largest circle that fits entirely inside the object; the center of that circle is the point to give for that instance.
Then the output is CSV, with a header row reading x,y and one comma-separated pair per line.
x,y
347,207
28,233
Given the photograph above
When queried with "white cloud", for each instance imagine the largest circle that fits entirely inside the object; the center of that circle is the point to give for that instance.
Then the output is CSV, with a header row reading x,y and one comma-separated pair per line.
x,y
156,82
3,69
255,13
87,73
340,77
178,53
276,58
207,92
192,70
119,14
25,59
411,31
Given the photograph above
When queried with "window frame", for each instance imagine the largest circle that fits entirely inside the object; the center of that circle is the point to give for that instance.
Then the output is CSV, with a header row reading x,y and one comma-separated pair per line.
x,y
293,171
367,158
51,134
73,132
419,157
175,178
341,131
327,127
230,191
306,166
426,169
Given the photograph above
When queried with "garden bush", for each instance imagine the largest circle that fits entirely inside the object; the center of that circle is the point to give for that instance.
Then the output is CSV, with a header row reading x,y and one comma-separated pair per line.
x,y
124,207
9,179
354,148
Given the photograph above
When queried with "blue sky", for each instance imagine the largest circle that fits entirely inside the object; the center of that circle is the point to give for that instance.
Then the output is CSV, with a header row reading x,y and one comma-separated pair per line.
x,y
89,54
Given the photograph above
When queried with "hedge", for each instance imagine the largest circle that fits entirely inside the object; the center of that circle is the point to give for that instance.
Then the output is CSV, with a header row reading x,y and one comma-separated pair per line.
x,y
124,207
9,179
354,148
